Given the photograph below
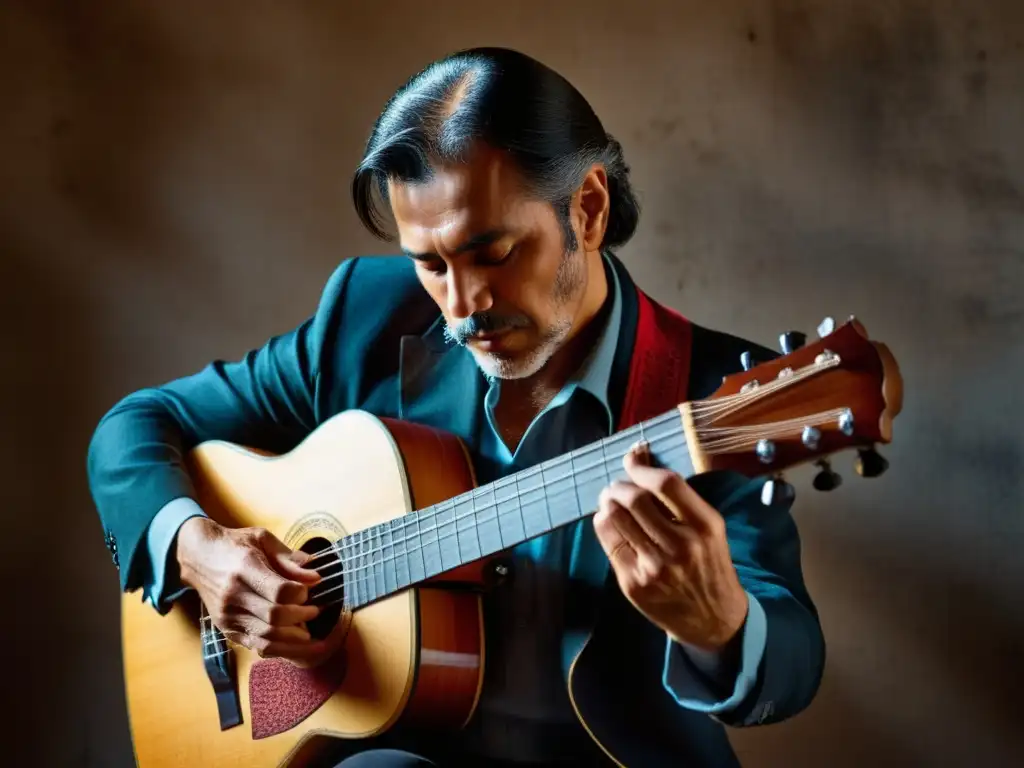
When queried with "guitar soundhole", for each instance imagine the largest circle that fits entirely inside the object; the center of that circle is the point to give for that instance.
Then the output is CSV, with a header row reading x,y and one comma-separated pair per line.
x,y
330,592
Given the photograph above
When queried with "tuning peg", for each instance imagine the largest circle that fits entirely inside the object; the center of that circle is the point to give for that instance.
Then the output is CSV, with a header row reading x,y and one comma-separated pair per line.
x,y
765,450
810,437
826,479
776,491
792,340
870,463
846,422
826,326
746,361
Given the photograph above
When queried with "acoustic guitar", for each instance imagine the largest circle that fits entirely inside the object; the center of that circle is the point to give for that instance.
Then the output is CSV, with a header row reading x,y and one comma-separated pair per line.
x,y
397,527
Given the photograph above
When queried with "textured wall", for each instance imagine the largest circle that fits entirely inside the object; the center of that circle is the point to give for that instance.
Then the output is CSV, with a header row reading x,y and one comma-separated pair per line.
x,y
174,189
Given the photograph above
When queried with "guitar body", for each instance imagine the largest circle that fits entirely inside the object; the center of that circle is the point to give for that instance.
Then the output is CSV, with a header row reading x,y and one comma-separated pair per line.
x,y
415,657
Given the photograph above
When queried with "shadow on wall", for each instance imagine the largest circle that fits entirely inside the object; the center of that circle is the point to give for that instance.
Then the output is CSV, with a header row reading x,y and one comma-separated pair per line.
x,y
67,667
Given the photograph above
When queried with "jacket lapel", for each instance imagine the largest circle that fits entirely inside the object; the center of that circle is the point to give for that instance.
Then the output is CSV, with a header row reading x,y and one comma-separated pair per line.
x,y
440,384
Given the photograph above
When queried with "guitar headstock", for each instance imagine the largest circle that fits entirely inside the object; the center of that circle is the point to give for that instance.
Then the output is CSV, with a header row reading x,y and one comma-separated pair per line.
x,y
838,393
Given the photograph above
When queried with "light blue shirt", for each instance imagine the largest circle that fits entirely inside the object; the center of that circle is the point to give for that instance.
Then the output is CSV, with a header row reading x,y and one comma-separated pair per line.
x,y
524,625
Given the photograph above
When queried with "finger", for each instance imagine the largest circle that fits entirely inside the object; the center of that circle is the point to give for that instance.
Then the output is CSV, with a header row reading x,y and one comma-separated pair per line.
x,y
286,561
620,516
268,583
276,614
292,651
612,541
671,489
646,513
254,627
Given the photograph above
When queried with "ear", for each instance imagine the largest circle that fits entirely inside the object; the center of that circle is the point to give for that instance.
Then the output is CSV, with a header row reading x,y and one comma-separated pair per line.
x,y
591,206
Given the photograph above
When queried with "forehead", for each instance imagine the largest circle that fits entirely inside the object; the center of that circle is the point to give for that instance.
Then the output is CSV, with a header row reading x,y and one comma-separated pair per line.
x,y
458,202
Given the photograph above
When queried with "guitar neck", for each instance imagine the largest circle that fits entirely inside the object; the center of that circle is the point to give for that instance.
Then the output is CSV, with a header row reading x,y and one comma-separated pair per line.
x,y
387,558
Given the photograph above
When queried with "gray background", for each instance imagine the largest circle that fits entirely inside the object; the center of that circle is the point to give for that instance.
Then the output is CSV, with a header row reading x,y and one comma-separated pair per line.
x,y
174,189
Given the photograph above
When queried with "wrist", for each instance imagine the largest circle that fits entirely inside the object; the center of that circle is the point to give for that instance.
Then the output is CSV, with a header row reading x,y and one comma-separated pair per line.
x,y
192,536
720,637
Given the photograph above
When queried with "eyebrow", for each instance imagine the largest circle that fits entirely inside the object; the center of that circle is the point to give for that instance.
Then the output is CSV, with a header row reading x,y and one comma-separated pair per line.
x,y
474,243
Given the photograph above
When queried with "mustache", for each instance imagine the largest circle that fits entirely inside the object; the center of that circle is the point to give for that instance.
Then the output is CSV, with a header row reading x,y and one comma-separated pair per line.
x,y
483,322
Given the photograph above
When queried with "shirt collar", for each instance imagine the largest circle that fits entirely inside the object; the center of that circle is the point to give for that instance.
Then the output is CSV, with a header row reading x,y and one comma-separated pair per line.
x,y
595,373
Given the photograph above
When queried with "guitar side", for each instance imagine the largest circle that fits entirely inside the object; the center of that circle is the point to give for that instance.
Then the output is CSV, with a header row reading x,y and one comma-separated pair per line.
x,y
416,657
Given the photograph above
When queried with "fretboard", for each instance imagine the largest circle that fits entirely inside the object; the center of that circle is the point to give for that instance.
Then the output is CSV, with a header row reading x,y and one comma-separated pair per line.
x,y
392,556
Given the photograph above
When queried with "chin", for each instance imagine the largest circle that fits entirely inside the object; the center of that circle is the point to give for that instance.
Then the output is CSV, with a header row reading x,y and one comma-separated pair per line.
x,y
517,366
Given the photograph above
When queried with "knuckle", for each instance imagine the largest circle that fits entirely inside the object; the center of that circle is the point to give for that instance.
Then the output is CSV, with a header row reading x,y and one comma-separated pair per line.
x,y
693,548
251,561
279,592
235,586
664,483
276,615
220,606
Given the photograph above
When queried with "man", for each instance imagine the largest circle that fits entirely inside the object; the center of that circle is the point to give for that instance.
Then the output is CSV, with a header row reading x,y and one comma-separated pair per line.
x,y
510,323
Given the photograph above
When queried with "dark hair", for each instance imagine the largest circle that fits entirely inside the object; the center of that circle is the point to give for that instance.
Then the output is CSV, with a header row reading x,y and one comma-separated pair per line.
x,y
510,102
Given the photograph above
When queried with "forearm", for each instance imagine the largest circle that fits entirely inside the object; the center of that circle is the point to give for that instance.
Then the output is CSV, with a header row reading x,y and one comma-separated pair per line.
x,y
135,468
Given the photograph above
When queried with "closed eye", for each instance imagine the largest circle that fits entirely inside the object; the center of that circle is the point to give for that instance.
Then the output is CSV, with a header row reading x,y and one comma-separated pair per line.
x,y
434,265
501,258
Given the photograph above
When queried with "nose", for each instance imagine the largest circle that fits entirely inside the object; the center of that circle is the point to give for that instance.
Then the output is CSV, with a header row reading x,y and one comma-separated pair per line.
x,y
468,292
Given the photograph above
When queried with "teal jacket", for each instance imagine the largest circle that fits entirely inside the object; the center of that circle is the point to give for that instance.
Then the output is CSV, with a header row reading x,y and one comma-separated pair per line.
x,y
374,343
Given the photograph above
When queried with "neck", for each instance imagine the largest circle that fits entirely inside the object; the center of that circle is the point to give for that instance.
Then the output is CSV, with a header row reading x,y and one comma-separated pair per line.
x,y
393,556
537,390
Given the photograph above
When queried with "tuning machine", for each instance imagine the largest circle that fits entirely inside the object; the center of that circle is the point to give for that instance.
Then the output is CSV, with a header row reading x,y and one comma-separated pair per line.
x,y
776,491
870,463
826,479
791,341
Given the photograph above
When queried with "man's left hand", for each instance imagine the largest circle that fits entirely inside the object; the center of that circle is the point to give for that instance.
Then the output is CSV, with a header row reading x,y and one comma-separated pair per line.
x,y
670,554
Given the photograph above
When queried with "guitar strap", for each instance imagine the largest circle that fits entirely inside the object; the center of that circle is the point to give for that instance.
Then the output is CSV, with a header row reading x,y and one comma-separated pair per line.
x,y
659,373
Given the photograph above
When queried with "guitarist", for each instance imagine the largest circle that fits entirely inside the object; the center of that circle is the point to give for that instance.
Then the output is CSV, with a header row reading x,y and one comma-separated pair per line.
x,y
508,322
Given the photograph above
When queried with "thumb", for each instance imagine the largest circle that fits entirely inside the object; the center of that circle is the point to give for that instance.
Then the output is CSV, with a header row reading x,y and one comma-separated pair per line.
x,y
288,562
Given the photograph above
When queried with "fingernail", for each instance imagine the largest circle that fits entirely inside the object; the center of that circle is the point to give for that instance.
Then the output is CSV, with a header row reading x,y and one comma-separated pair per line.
x,y
640,449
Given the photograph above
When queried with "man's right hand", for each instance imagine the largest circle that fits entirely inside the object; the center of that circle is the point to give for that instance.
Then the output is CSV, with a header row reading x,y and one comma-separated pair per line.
x,y
254,588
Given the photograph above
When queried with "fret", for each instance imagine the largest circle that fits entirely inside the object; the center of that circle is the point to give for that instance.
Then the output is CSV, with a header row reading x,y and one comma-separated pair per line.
x,y
392,558
488,525
563,500
465,525
351,567
379,562
362,576
431,544
510,512
502,514
533,506
414,545
447,535
366,556
337,560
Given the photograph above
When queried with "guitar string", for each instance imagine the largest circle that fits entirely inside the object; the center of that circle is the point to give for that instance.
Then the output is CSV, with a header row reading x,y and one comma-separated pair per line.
x,y
708,410
364,571
362,576
752,433
343,548
678,440
704,410
453,504
501,484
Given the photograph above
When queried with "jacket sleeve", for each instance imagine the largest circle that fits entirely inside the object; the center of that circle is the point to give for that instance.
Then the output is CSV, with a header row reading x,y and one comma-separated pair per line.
x,y
765,549
266,400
